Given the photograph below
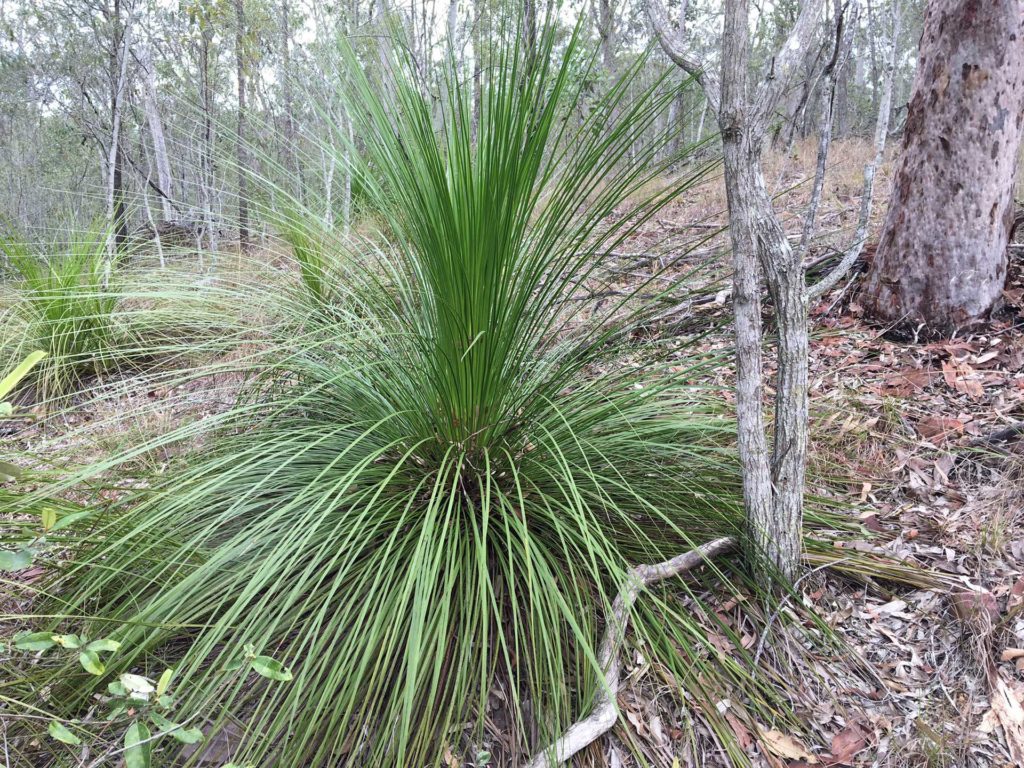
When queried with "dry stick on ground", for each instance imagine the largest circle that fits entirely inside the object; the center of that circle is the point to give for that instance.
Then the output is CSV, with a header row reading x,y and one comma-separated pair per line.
x,y
604,713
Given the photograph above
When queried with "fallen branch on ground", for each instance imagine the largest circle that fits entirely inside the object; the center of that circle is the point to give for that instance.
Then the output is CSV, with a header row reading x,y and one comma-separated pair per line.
x,y
1000,437
604,713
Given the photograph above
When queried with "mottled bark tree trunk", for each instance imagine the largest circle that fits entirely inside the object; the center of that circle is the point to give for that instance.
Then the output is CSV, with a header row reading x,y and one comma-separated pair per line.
x,y
773,481
941,260
605,18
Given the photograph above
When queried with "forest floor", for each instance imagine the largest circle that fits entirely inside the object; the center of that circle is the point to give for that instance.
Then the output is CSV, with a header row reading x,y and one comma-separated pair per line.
x,y
917,440
905,436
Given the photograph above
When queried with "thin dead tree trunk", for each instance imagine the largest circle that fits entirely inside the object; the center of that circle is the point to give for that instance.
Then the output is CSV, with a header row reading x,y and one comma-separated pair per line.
x,y
207,169
604,713
882,119
290,135
116,209
240,136
479,36
156,132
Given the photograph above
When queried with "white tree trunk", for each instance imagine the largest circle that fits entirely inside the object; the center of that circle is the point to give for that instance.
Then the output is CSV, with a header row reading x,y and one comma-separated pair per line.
x,y
156,132
115,181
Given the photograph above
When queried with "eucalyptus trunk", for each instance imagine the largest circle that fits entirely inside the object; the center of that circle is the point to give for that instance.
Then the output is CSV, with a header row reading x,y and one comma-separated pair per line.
x,y
941,261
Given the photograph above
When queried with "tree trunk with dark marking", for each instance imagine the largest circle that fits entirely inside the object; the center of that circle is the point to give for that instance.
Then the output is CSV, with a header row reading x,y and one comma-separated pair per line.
x,y
941,261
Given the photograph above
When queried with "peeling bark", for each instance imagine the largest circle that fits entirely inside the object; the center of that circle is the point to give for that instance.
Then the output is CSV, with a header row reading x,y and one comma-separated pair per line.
x,y
941,261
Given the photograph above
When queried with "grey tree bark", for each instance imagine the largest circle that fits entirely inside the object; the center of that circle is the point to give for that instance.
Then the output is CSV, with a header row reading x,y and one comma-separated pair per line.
x,y
207,154
156,132
242,157
291,151
116,209
773,482
941,259
604,16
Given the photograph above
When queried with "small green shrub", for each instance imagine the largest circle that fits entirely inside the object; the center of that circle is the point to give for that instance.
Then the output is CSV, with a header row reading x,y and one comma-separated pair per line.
x,y
66,306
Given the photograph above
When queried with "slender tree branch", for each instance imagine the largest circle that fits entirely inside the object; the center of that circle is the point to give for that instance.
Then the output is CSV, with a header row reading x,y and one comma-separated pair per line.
x,y
840,54
604,713
673,43
788,58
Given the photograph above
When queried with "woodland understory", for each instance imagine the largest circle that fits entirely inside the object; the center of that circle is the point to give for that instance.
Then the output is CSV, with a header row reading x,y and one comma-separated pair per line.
x,y
920,442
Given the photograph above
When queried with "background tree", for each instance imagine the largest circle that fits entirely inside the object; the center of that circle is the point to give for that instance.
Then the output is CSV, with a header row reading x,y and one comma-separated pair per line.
x,y
941,260
242,157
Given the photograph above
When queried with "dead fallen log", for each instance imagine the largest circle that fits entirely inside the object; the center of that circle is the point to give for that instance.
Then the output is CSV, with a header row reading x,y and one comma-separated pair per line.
x,y
604,713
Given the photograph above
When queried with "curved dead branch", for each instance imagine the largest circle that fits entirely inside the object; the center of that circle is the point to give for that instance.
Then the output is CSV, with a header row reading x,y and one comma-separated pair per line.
x,y
604,713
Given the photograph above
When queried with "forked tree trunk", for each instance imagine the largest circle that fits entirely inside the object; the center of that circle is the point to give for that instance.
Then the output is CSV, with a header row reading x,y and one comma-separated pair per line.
x,y
772,487
773,481
941,260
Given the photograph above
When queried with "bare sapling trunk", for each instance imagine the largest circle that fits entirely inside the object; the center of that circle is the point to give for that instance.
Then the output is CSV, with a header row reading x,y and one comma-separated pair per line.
x,y
291,151
116,208
772,486
240,136
207,169
941,261
156,132
773,481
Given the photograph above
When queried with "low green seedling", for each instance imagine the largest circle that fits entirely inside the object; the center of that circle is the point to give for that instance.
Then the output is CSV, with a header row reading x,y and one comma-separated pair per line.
x,y
144,705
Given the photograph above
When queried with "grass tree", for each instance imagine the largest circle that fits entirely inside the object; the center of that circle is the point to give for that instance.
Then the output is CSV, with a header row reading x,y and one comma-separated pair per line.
x,y
430,492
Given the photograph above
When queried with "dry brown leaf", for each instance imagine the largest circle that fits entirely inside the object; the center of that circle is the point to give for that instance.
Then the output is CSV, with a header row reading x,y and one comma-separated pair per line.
x,y
847,743
1010,715
963,379
637,721
450,760
785,746
939,428
743,736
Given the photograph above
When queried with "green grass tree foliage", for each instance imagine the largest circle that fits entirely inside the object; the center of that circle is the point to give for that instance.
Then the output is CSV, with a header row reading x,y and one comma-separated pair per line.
x,y
65,305
434,495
